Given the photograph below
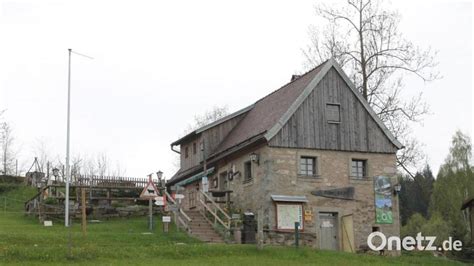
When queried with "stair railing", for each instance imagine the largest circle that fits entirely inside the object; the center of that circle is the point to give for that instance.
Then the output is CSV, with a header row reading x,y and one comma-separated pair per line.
x,y
210,206
182,219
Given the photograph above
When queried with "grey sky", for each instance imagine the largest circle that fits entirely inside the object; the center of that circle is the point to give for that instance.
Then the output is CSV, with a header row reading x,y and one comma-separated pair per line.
x,y
157,64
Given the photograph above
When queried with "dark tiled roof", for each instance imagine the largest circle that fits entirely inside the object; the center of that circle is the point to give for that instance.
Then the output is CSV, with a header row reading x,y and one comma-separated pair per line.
x,y
267,111
184,172
262,116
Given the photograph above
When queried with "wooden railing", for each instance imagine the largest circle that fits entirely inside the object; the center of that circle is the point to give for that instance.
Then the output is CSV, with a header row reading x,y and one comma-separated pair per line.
x,y
210,206
181,218
105,181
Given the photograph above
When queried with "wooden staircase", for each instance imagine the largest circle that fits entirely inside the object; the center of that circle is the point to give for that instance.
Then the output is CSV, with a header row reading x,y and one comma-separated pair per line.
x,y
202,229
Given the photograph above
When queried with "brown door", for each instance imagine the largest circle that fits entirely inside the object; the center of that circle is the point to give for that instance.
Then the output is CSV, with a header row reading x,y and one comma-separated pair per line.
x,y
193,195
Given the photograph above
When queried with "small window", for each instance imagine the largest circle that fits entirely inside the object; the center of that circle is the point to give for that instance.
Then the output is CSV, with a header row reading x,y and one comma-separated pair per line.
x,y
186,152
333,113
359,168
194,148
308,166
247,172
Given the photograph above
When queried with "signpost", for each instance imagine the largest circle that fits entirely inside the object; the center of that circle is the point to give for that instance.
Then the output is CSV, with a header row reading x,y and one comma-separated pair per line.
x,y
205,184
149,192
166,220
160,201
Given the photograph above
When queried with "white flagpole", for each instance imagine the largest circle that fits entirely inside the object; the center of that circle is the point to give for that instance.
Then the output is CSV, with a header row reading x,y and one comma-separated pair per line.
x,y
68,173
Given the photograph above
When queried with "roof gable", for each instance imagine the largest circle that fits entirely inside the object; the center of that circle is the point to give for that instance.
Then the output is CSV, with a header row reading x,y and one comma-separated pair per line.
x,y
310,87
267,111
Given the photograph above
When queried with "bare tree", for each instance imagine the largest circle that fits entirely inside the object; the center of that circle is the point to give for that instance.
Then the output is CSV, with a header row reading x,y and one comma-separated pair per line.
x,y
97,164
118,170
7,153
208,117
42,152
364,39
102,164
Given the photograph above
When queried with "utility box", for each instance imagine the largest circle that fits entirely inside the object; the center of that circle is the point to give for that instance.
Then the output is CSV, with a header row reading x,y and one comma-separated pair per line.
x,y
250,228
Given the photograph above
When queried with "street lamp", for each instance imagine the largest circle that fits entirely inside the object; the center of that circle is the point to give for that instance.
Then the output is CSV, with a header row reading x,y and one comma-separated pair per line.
x,y
397,188
159,174
254,158
55,174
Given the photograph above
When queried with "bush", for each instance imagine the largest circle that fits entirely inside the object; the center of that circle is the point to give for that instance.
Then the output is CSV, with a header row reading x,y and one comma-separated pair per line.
x,y
414,225
437,226
50,201
11,179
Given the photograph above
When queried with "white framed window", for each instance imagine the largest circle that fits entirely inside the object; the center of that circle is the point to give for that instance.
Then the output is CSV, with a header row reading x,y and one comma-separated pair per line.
x,y
308,166
358,168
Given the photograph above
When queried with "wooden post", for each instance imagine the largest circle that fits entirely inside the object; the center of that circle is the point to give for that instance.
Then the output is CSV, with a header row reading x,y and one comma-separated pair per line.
x,y
176,220
150,210
84,218
260,229
297,234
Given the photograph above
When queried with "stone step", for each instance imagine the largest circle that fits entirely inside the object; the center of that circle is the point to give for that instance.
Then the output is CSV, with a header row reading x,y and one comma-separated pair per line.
x,y
197,220
201,229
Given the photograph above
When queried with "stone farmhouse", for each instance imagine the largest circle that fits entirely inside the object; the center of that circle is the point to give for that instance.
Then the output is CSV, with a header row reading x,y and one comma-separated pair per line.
x,y
308,152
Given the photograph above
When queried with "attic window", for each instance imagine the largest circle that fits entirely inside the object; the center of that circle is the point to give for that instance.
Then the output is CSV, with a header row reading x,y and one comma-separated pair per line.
x,y
333,113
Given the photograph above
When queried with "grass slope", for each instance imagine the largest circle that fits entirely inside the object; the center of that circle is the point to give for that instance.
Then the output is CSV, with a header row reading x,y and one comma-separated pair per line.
x,y
23,241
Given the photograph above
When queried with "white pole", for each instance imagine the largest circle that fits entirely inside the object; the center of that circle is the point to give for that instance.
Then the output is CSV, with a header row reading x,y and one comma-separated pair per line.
x,y
68,175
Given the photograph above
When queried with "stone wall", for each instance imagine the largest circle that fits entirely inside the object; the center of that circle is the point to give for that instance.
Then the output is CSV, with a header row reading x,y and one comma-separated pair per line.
x,y
277,174
334,172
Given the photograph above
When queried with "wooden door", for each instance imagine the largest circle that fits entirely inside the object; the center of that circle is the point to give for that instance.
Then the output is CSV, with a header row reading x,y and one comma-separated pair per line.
x,y
328,231
347,233
193,195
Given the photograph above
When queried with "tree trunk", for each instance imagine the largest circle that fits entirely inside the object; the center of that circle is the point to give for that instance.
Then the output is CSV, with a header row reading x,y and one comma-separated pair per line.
x,y
363,64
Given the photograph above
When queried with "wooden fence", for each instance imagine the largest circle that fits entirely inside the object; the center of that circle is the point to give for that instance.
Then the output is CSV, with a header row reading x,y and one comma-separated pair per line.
x,y
108,181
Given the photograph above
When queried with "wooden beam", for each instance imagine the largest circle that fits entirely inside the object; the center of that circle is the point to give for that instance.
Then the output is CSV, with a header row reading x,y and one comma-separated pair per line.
x,y
84,218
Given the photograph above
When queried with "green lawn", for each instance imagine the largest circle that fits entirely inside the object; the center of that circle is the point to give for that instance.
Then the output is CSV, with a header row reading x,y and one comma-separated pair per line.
x,y
23,241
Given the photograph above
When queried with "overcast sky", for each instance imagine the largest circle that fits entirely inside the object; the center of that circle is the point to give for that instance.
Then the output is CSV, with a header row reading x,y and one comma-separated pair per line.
x,y
159,63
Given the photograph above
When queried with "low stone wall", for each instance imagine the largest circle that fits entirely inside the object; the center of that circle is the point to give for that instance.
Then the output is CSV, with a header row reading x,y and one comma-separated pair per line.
x,y
288,238
96,212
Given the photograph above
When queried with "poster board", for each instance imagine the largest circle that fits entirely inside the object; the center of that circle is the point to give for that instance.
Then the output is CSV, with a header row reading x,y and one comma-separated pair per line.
x,y
288,214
